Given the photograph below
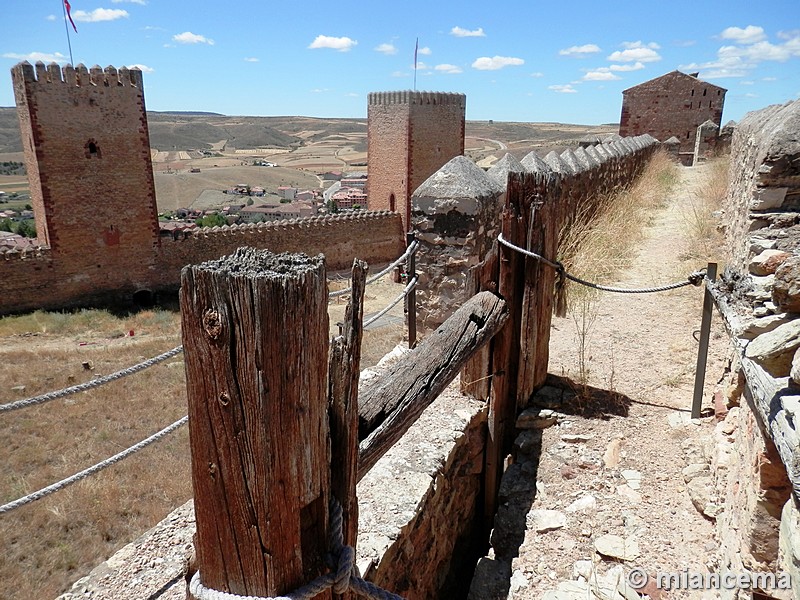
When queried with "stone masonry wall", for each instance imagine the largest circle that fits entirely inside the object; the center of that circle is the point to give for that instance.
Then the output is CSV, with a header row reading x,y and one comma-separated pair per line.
x,y
675,104
761,281
42,279
409,136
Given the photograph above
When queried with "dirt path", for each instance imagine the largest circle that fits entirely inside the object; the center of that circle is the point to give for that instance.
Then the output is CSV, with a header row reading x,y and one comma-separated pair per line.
x,y
621,455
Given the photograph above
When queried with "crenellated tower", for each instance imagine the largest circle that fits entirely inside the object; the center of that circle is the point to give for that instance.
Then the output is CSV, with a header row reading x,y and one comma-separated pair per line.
x,y
87,152
410,136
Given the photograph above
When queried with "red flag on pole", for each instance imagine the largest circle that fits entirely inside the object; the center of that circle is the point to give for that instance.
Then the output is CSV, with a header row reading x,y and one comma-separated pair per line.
x,y
69,15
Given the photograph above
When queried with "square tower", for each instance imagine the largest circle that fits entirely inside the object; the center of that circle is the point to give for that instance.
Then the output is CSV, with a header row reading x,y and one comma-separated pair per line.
x,y
410,136
87,152
675,104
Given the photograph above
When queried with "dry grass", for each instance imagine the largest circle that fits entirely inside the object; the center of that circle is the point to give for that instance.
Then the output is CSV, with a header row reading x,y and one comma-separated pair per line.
x,y
50,543
598,248
705,239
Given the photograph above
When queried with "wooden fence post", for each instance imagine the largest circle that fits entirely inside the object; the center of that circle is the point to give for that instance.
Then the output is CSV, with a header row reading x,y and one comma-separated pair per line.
x,y
344,369
255,335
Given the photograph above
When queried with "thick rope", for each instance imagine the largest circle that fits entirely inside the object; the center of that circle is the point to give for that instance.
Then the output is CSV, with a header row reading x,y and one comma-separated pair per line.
x,y
82,387
411,285
345,576
695,278
412,248
91,470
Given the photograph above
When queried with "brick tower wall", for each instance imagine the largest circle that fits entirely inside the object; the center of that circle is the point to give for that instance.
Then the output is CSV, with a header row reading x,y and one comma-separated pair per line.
x,y
410,136
87,150
673,105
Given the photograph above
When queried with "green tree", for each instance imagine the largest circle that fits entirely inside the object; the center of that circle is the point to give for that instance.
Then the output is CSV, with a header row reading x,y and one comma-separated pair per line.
x,y
6,225
27,228
215,220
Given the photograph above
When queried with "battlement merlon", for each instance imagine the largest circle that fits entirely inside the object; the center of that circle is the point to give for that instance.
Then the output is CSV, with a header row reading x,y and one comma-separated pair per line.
x,y
77,76
417,98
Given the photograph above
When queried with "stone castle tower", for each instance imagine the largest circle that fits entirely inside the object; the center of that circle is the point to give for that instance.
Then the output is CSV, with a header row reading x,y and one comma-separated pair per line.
x,y
410,135
675,104
87,152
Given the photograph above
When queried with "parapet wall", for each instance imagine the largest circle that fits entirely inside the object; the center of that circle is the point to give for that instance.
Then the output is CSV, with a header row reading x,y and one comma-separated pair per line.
x,y
456,213
44,279
759,296
764,187
412,97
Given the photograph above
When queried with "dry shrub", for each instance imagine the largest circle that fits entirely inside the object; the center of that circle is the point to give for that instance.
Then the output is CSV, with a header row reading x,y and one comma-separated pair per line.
x,y
705,239
597,247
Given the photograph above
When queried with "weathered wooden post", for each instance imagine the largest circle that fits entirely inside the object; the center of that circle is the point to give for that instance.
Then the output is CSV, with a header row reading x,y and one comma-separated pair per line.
x,y
255,336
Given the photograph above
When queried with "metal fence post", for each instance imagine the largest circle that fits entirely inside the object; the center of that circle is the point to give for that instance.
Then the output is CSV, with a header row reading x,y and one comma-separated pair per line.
x,y
411,298
702,351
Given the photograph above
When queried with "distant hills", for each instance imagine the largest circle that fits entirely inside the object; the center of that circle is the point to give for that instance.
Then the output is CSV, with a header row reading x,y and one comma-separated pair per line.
x,y
197,130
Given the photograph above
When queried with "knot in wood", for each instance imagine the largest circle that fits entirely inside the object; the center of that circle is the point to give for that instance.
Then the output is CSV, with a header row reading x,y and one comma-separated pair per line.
x,y
224,398
212,324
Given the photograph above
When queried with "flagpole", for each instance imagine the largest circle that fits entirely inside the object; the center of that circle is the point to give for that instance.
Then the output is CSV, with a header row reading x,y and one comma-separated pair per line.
x,y
66,28
416,49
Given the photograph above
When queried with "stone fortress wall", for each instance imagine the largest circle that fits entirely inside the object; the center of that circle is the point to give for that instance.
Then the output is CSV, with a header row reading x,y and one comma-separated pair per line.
x,y
757,460
87,151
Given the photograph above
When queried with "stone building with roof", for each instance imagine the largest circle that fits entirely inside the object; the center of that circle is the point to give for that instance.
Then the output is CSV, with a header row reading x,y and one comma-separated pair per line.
x,y
675,104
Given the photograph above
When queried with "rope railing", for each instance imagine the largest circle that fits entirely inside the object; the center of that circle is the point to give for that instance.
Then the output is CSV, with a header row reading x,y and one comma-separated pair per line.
x,y
343,576
411,285
411,249
82,387
92,470
695,278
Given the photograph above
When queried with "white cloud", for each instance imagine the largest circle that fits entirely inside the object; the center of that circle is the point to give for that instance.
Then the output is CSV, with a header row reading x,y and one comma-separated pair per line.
x,y
769,79
187,37
32,57
750,95
639,44
399,74
141,2
563,89
461,32
684,43
51,18
451,69
637,66
636,52
537,74
747,83
251,59
600,75
319,90
788,35
580,51
484,63
342,44
425,51
386,49
748,35
142,68
100,14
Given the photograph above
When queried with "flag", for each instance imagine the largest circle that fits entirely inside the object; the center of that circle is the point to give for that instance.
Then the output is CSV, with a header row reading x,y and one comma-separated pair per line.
x,y
69,15
416,48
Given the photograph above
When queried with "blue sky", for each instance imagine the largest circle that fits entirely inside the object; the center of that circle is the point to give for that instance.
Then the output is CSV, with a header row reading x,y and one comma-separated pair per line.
x,y
515,60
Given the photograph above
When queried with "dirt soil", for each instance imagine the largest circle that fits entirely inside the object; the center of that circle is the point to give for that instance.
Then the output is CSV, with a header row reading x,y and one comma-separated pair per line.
x,y
641,356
